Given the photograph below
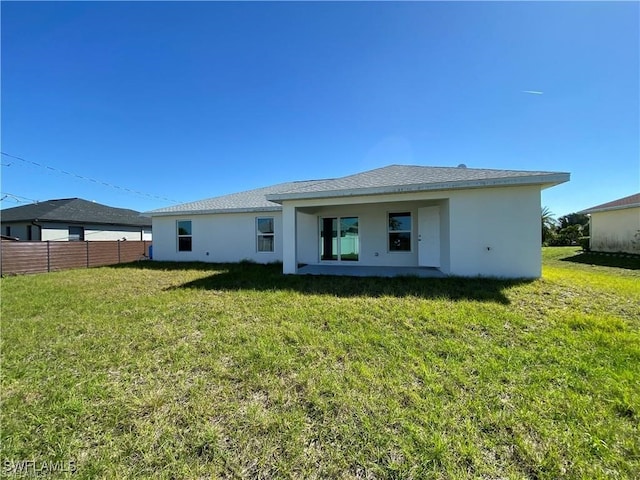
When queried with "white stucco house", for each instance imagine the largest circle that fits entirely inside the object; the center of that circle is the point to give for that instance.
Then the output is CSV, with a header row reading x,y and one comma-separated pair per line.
x,y
455,221
615,226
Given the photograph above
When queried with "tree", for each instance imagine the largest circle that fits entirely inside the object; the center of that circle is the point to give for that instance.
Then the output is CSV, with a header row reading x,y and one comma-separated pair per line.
x,y
548,225
569,229
569,235
579,219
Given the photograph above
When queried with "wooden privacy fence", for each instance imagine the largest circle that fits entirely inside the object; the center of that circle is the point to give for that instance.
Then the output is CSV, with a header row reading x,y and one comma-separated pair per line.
x,y
41,257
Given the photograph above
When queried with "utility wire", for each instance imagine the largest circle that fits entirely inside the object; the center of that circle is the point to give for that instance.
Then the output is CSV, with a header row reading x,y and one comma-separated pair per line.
x,y
89,179
17,198
21,199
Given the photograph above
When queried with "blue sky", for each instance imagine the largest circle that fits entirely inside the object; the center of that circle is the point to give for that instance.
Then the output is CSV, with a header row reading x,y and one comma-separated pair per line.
x,y
185,101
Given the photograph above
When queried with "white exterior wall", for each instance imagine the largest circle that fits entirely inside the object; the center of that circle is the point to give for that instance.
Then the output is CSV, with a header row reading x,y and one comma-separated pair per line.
x,y
56,233
616,231
308,237
485,231
445,238
495,232
288,229
105,232
221,238
59,232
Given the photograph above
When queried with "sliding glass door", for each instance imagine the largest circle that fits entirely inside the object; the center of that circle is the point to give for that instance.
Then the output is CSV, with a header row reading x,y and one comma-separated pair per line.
x,y
339,239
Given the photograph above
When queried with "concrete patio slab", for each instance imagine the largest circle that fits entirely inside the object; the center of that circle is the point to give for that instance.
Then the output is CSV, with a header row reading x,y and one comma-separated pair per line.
x,y
369,271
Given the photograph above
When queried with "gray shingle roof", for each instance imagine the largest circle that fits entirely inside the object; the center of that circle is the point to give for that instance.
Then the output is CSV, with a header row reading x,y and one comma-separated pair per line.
x,y
74,210
393,178
405,178
247,201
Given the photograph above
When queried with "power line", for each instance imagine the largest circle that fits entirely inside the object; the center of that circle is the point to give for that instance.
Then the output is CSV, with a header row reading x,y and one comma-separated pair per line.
x,y
22,199
16,198
89,179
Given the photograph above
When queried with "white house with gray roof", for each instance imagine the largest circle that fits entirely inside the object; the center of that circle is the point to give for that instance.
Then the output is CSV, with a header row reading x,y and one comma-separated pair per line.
x,y
395,219
615,225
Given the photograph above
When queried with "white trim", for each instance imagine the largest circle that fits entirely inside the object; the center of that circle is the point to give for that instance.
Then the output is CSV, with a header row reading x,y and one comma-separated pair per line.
x,y
172,213
410,232
338,261
178,236
260,234
589,211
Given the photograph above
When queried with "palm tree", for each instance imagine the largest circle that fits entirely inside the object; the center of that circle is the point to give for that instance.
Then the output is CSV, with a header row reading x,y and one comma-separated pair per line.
x,y
548,224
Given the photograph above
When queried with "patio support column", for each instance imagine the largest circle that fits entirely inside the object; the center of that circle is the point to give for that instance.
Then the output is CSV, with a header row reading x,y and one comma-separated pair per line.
x,y
289,258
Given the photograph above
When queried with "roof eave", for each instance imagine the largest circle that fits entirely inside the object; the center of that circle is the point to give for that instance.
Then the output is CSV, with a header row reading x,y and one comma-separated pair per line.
x,y
174,213
75,222
609,209
545,181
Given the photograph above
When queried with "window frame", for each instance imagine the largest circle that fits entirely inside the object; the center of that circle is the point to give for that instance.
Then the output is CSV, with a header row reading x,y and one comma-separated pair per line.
x,y
80,235
180,236
390,231
260,234
340,235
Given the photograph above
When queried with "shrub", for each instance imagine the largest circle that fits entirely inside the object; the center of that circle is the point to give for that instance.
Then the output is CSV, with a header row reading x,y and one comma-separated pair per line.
x,y
584,243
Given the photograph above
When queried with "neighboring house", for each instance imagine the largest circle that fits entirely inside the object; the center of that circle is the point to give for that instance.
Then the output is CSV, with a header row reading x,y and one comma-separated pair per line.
x,y
73,219
462,221
615,226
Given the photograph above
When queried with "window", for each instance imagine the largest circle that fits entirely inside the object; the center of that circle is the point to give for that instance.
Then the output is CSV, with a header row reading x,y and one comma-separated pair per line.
x,y
265,232
400,232
76,234
7,230
29,232
184,235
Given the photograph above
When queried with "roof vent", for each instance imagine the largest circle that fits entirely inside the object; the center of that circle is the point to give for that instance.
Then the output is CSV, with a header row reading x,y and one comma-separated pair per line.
x,y
462,165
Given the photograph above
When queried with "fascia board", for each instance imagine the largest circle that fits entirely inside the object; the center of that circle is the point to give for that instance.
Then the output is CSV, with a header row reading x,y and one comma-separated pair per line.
x,y
543,180
216,211
609,209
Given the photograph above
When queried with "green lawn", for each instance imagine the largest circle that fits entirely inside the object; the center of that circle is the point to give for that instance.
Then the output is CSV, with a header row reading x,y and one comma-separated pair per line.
x,y
155,370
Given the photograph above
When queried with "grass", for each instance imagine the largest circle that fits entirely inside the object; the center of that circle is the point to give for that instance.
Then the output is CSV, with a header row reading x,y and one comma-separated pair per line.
x,y
234,371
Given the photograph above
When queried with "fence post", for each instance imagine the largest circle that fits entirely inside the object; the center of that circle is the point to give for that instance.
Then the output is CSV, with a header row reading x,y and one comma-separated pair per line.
x,y
48,256
118,251
87,242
